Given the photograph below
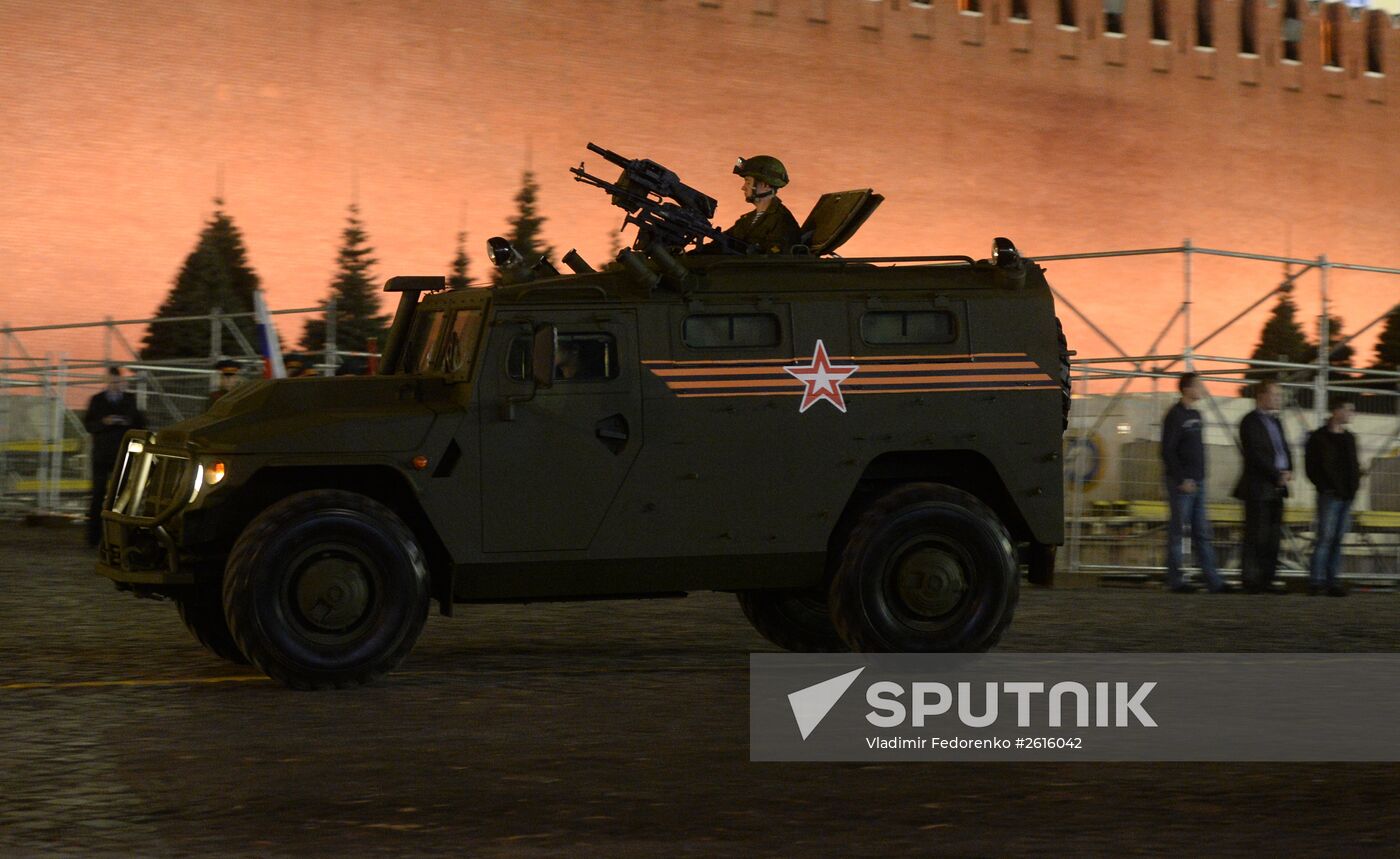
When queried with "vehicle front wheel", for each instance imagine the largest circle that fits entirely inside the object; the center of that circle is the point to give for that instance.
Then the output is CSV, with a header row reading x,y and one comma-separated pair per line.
x,y
326,589
797,620
203,614
927,568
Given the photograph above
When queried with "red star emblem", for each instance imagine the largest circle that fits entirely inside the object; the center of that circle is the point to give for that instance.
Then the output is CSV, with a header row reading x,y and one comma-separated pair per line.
x,y
823,379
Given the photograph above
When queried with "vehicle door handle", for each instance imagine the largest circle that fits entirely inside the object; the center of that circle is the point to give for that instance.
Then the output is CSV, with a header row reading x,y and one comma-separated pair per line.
x,y
612,432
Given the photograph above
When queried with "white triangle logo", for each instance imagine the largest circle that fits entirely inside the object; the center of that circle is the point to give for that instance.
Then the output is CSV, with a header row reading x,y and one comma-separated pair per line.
x,y
810,705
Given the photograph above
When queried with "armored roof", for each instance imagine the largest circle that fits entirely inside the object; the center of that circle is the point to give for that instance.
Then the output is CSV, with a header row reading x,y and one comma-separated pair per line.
x,y
767,275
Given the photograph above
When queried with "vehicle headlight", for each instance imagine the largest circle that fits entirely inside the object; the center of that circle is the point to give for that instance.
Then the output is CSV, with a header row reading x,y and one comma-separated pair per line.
x,y
207,474
198,481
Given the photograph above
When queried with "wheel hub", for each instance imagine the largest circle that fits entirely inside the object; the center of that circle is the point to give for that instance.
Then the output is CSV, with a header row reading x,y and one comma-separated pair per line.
x,y
930,581
332,591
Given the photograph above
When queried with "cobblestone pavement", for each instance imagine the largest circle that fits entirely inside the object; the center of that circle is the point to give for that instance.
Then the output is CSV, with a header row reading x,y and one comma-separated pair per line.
x,y
597,729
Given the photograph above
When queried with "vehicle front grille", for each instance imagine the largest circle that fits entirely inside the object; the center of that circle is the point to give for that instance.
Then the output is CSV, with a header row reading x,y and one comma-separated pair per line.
x,y
151,482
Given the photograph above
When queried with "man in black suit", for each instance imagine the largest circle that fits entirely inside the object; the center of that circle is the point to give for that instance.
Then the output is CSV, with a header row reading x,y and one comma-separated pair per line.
x,y
110,413
1268,469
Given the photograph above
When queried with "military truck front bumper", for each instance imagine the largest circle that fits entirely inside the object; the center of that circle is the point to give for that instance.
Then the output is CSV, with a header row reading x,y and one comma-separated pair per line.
x,y
151,486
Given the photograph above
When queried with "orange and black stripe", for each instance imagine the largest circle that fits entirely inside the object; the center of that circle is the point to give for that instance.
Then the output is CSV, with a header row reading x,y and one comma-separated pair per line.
x,y
896,374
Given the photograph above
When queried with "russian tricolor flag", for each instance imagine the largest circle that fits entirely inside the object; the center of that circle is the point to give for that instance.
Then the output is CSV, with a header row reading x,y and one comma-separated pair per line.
x,y
268,345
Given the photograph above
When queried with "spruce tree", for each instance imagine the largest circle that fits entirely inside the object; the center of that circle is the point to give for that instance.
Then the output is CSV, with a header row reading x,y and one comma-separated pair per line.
x,y
215,274
357,316
1388,358
1339,356
458,278
1282,338
1388,344
525,226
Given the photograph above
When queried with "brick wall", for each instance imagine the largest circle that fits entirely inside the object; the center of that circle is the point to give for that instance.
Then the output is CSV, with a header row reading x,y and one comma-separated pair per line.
x,y
118,117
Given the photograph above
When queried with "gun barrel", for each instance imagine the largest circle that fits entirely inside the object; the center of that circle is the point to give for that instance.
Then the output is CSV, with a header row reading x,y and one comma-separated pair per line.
x,y
609,154
642,192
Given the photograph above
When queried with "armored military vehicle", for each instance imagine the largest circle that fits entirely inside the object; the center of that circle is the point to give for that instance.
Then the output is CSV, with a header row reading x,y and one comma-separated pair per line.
x,y
861,449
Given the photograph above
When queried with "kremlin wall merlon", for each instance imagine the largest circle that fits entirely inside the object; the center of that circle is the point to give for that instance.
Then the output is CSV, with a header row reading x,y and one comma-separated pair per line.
x,y
1256,125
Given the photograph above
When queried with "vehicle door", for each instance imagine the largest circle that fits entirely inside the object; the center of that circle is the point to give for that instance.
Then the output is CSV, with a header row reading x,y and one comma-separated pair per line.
x,y
553,458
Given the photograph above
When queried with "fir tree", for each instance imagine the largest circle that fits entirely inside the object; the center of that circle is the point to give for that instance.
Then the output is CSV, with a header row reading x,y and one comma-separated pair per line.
x,y
1340,356
215,274
1282,339
525,226
458,278
357,316
1388,358
1388,344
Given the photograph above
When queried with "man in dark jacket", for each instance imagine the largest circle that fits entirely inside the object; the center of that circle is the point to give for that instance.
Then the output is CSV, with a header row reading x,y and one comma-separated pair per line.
x,y
1184,468
110,413
1334,468
1268,469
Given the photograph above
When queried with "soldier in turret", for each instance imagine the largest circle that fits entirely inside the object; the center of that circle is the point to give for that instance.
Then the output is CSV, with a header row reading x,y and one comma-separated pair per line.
x,y
770,227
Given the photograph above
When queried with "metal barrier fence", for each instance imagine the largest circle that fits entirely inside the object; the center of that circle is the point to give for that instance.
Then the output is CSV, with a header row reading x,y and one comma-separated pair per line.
x,y
1116,503
44,448
1116,509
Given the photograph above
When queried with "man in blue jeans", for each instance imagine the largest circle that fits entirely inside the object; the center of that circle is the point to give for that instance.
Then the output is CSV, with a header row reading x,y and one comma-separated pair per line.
x,y
1184,468
1334,468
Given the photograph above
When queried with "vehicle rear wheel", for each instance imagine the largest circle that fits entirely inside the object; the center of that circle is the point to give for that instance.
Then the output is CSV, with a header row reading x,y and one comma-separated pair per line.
x,y
1066,380
797,620
326,589
1040,564
203,614
927,568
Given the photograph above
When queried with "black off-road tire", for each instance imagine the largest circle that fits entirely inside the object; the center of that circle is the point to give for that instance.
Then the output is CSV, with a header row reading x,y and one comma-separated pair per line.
x,y
1040,564
326,589
1065,379
927,568
203,614
796,620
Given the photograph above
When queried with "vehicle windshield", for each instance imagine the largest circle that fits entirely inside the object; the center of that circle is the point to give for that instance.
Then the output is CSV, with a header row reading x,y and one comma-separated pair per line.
x,y
443,341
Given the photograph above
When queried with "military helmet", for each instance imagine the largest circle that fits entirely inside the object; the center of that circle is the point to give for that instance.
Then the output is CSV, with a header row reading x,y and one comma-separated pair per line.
x,y
764,168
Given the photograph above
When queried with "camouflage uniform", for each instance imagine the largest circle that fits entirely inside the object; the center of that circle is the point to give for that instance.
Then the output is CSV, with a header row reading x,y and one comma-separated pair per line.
x,y
773,231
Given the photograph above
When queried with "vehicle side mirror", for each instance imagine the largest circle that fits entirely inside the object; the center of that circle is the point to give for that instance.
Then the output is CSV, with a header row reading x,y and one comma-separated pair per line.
x,y
544,345
543,349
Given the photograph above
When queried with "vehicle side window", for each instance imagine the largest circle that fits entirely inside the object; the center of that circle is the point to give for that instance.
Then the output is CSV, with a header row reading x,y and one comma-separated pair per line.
x,y
581,357
423,345
908,326
730,330
459,341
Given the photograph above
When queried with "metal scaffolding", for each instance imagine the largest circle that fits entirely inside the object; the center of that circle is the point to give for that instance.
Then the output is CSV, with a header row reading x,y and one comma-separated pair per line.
x,y
1139,522
43,444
